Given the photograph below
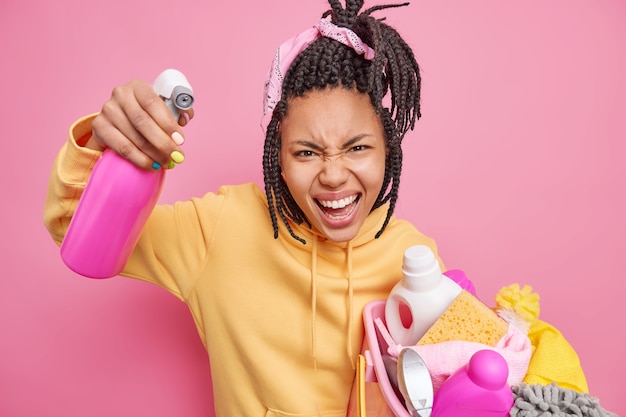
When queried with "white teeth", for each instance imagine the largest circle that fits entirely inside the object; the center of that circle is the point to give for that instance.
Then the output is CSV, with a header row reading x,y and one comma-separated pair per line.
x,y
336,204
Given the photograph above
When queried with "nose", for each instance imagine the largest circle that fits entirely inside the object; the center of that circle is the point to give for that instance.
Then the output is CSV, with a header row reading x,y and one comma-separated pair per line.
x,y
334,171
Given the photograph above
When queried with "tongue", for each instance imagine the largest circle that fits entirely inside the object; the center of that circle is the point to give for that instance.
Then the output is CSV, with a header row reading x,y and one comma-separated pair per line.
x,y
338,212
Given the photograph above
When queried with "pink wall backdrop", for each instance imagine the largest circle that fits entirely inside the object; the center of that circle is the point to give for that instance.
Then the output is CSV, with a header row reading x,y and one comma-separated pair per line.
x,y
516,169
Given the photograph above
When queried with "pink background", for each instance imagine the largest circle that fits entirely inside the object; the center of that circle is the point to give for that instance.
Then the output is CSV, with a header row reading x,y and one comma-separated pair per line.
x,y
516,169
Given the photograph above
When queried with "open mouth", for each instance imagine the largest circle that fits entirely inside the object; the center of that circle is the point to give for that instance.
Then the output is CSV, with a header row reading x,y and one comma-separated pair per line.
x,y
339,209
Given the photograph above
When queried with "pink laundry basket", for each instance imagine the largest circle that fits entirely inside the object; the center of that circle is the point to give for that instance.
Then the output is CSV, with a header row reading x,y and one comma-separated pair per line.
x,y
375,367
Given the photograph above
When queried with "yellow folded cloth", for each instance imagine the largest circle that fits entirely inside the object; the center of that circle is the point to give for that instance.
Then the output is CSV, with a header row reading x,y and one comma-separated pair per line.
x,y
553,359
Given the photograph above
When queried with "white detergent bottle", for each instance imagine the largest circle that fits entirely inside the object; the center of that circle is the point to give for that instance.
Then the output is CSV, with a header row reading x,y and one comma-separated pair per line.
x,y
416,302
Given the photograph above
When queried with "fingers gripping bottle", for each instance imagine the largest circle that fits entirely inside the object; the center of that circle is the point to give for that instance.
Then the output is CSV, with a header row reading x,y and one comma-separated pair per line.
x,y
417,301
118,199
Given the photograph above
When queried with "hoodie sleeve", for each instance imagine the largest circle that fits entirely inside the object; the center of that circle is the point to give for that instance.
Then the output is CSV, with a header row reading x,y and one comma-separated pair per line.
x,y
69,175
173,244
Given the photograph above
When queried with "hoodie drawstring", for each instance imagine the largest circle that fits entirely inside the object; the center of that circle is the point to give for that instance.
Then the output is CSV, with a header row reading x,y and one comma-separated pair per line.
x,y
314,301
350,303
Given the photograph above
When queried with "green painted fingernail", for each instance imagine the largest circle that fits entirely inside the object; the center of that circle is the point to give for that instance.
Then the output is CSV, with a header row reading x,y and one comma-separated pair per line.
x,y
171,165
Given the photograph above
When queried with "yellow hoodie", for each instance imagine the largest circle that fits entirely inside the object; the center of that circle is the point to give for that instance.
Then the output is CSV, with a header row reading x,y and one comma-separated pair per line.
x,y
281,321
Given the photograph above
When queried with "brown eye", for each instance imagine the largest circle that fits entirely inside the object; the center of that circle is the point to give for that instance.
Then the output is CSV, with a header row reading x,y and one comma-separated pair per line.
x,y
305,154
358,148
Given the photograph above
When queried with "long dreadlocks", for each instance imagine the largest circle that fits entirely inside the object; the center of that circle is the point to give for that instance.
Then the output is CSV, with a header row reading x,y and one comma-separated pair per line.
x,y
327,62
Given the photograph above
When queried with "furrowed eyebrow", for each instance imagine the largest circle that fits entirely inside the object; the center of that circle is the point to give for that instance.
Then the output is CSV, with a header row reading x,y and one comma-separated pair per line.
x,y
354,140
308,144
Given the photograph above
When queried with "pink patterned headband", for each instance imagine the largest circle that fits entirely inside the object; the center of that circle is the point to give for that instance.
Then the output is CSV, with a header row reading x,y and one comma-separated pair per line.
x,y
291,48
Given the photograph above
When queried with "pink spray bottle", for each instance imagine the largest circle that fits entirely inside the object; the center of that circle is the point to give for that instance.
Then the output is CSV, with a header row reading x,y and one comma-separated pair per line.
x,y
118,199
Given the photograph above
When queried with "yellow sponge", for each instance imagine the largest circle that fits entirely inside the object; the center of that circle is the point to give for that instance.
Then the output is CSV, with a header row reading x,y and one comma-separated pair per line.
x,y
466,319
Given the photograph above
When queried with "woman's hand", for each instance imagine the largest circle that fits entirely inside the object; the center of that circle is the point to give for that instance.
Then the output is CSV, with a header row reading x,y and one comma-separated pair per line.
x,y
136,123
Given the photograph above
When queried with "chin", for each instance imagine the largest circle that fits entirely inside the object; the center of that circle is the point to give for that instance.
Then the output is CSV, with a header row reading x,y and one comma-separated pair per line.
x,y
343,235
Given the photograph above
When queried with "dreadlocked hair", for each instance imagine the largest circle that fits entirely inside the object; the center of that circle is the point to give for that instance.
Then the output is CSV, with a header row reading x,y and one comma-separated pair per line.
x,y
328,63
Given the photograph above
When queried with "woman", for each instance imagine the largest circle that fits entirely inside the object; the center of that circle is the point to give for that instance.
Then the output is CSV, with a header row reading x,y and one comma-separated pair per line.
x,y
277,279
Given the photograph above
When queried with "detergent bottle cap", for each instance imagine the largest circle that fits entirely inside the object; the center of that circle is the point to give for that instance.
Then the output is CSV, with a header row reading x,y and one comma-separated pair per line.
x,y
488,369
420,268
